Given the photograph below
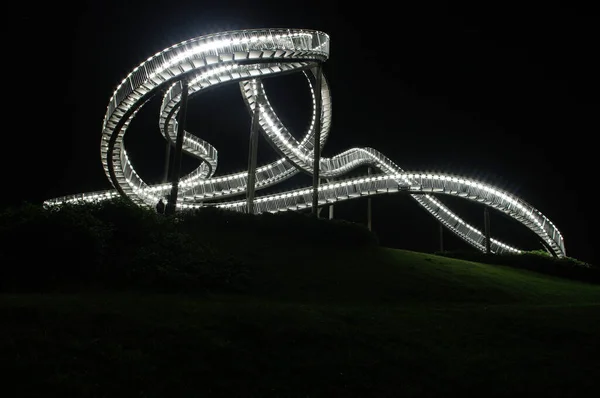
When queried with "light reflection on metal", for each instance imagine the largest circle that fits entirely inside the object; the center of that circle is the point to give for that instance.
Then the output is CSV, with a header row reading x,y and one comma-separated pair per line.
x,y
244,57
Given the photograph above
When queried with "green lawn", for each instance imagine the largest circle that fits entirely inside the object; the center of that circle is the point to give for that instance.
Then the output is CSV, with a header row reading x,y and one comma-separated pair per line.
x,y
329,323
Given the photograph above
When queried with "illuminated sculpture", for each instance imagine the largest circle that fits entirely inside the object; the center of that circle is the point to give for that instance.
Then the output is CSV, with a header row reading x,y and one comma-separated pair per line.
x,y
192,66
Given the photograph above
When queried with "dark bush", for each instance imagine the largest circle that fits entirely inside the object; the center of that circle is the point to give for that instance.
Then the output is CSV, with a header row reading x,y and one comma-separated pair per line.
x,y
117,244
50,247
284,228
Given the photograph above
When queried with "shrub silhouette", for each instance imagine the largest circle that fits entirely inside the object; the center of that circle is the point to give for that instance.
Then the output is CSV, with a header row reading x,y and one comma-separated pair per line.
x,y
117,244
49,247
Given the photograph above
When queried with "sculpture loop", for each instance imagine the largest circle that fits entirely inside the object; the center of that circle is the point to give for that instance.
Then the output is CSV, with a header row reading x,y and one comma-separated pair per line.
x,y
245,57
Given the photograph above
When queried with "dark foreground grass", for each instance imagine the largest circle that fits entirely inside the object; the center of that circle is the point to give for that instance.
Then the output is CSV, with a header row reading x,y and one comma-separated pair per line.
x,y
352,324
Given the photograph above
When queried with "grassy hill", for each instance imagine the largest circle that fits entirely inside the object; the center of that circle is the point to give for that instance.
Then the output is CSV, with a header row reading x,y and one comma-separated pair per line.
x,y
313,321
390,276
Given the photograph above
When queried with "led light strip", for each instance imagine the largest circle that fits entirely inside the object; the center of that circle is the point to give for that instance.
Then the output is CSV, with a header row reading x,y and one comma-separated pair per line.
x,y
245,57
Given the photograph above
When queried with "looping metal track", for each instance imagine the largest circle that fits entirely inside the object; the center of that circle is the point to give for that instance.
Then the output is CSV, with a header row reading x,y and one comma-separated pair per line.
x,y
244,57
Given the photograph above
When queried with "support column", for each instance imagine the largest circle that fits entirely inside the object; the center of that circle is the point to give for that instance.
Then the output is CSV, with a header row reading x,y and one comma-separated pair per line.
x,y
330,180
252,152
167,161
320,209
317,146
369,220
441,238
486,221
176,171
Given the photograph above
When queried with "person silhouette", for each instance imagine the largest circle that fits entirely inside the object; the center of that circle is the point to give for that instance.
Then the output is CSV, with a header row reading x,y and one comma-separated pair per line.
x,y
160,207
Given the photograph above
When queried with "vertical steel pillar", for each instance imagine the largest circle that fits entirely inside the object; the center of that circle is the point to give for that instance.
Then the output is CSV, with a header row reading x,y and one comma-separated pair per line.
x,y
486,221
369,220
176,170
252,152
441,238
320,209
317,147
167,161
330,180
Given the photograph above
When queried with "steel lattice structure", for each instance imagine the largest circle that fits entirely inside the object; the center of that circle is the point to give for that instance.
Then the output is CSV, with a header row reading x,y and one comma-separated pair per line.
x,y
244,57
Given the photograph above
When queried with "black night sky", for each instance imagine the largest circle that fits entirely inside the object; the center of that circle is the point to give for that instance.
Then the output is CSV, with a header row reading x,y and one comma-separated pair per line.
x,y
501,92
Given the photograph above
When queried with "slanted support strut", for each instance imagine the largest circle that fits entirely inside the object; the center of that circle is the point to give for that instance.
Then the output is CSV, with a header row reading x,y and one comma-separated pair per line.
x,y
252,152
369,219
317,146
486,220
176,170
329,181
441,238
167,161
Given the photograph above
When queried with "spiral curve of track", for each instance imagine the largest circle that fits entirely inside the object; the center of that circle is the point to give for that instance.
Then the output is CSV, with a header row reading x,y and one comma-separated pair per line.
x,y
244,57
